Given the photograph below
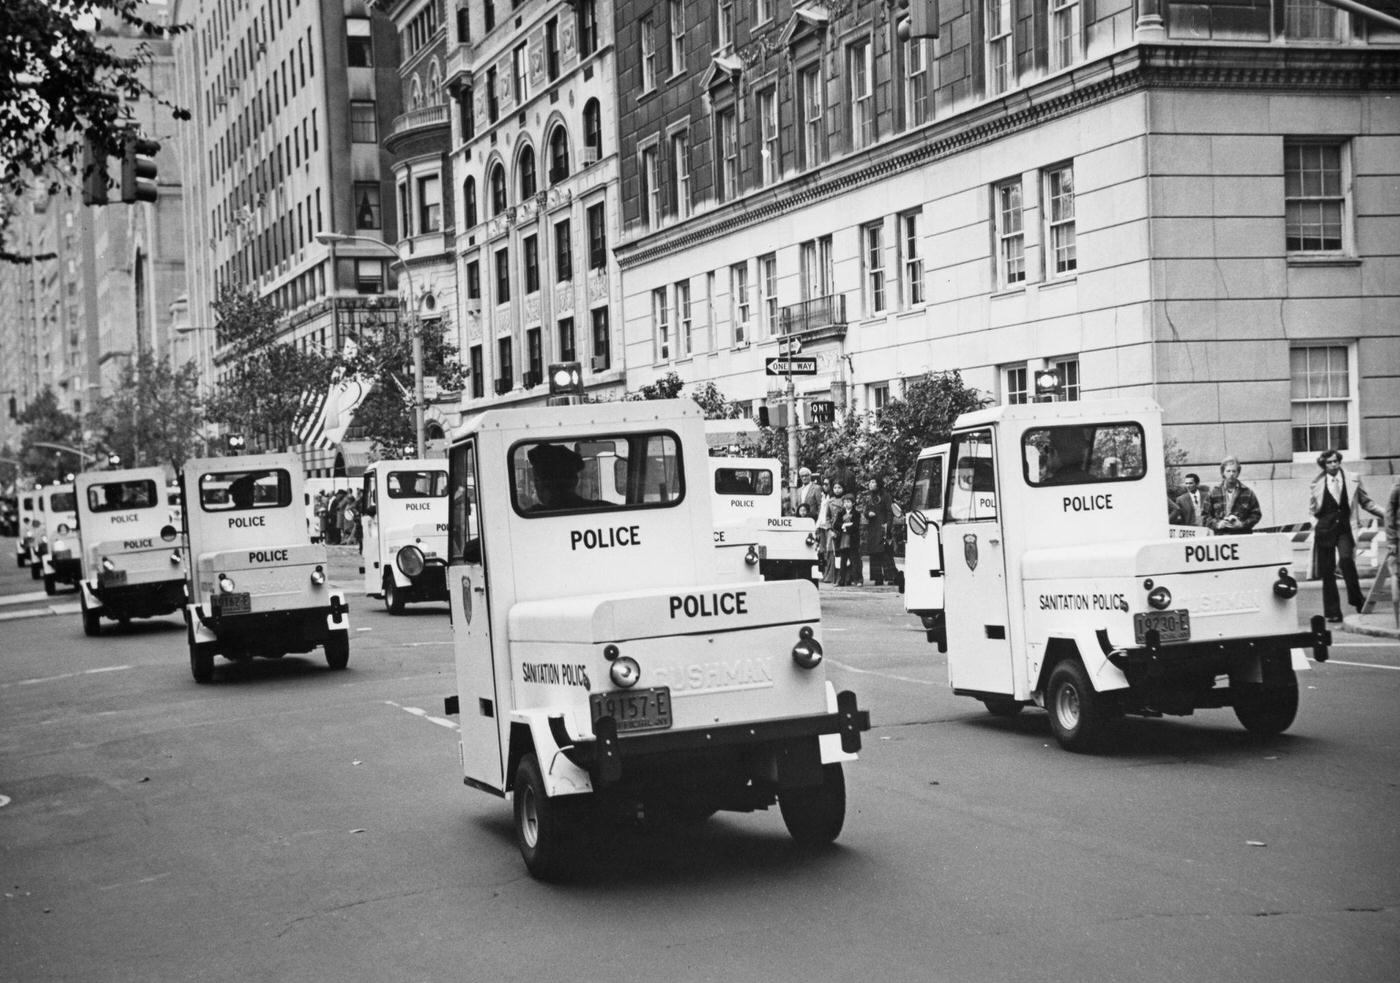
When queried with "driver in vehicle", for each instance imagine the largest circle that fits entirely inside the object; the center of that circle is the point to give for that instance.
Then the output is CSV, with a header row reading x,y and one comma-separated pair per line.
x,y
556,471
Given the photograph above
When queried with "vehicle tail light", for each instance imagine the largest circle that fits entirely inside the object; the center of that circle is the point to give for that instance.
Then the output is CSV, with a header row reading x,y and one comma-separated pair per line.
x,y
318,576
623,670
751,557
1285,587
807,653
1158,597
226,583
107,564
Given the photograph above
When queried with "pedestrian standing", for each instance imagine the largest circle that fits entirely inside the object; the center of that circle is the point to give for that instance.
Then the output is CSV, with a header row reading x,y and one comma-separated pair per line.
x,y
823,517
836,520
852,574
333,510
318,511
1233,507
876,516
1336,498
1191,503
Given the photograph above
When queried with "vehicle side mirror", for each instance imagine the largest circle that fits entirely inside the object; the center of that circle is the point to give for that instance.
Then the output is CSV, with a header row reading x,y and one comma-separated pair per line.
x,y
918,523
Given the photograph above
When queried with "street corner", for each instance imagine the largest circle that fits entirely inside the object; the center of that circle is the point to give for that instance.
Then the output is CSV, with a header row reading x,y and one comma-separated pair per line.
x,y
1376,624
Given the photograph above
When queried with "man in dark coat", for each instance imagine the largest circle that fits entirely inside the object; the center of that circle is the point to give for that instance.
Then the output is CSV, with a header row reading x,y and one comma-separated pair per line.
x,y
1336,497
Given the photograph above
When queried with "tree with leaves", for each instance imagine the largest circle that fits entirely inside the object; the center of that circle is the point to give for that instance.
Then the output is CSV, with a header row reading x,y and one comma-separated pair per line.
x,y
384,354
45,422
262,392
706,395
154,416
61,80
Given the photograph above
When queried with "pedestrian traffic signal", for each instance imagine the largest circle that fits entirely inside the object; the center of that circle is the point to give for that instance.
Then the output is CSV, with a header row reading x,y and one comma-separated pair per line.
x,y
139,169
916,19
94,172
822,411
234,442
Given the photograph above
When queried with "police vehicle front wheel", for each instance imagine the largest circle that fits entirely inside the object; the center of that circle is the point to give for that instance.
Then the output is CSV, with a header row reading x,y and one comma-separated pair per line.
x,y
1078,715
92,620
1266,710
393,598
815,814
544,827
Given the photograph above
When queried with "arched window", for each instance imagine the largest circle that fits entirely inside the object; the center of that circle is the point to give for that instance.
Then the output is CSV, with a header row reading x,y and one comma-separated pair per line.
x,y
469,202
415,93
558,155
498,189
593,128
435,82
528,184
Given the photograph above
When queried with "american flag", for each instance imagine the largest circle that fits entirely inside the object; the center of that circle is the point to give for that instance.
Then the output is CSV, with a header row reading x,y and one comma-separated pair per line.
x,y
309,424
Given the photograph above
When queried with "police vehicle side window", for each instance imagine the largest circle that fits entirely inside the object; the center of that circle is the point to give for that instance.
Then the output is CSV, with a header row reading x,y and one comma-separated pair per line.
x,y
1083,455
417,484
224,491
64,502
464,516
972,484
116,495
562,476
743,481
928,484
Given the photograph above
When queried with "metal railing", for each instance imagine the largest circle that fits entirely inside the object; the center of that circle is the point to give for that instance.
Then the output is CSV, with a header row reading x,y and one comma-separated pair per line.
x,y
813,315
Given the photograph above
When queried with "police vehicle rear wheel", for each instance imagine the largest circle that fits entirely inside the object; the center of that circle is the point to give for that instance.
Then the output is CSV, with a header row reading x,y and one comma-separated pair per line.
x,y
815,814
1078,716
92,620
1266,711
544,826
201,664
393,598
338,650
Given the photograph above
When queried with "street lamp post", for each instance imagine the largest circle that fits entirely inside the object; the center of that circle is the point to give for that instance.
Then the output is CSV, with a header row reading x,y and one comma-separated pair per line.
x,y
415,326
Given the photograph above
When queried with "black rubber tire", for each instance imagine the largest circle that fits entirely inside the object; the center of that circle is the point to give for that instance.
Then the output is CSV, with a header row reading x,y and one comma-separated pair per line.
x,y
92,620
545,828
815,814
1266,711
337,646
1002,706
393,598
1078,715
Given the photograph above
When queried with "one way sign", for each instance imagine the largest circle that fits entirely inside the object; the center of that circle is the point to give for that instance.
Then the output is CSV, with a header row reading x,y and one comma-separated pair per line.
x,y
790,366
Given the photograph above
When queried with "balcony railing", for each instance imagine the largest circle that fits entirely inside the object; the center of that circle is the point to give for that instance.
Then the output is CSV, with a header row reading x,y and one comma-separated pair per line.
x,y
414,119
821,317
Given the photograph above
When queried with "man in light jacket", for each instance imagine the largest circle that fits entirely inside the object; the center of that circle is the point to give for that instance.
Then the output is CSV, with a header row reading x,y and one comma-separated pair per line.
x,y
1336,499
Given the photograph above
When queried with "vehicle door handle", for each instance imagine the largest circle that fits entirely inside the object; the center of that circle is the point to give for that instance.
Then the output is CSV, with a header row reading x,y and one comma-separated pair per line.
x,y
993,541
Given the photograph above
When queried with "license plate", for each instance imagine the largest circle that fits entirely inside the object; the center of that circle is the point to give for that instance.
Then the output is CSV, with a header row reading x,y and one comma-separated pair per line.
x,y
1172,626
240,602
634,709
112,578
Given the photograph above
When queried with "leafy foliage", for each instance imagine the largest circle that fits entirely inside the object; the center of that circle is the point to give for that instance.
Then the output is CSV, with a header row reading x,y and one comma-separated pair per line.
x,y
44,421
262,392
154,417
60,80
706,395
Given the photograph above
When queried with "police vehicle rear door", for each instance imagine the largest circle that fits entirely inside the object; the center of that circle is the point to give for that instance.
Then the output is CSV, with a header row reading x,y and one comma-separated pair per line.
x,y
923,548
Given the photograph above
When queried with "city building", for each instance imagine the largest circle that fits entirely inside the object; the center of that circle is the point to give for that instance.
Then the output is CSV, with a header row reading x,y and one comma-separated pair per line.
x,y
1189,201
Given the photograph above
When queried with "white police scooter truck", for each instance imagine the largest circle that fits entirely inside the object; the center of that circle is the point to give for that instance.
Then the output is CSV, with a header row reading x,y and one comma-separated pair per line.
x,y
600,665
61,545
748,509
29,506
404,532
1040,557
256,583
132,562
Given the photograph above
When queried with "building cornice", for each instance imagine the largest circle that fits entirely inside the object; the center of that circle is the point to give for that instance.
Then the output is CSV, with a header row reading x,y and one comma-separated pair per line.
x,y
1139,68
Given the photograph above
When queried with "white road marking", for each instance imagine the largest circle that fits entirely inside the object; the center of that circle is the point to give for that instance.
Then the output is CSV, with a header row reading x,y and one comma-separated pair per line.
x,y
885,675
67,675
1361,665
419,712
4,801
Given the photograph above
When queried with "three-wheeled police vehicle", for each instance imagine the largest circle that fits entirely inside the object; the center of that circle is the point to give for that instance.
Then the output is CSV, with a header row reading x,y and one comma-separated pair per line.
x,y
256,583
28,506
748,508
133,564
600,665
1040,558
60,545
404,532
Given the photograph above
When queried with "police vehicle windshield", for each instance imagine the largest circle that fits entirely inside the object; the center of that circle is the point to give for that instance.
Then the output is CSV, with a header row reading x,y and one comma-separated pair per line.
x,y
1084,455
110,496
629,471
222,491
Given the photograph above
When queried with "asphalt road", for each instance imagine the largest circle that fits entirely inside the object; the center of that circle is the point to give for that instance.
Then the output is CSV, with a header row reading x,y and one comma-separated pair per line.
x,y
294,823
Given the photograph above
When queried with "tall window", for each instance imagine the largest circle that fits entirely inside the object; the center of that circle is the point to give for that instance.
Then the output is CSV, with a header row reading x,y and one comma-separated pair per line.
x,y
551,48
364,127
493,100
739,301
727,137
1068,371
873,260
530,249
1059,221
558,155
478,372
1016,385
534,356
1010,237
918,84
473,280
502,275
602,355
684,327
597,237
676,18
593,128
768,135
647,39
1315,196
587,13
809,85
762,11
724,22
506,363
1000,68
563,252
469,202
429,204
489,12
1064,33
768,285
651,189
661,325
1321,380
680,173
910,260
1310,20
369,276
367,212
818,273
567,352
862,94
528,183
498,190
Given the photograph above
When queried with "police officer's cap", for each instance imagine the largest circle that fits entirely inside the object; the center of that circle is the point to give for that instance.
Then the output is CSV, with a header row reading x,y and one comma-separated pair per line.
x,y
554,459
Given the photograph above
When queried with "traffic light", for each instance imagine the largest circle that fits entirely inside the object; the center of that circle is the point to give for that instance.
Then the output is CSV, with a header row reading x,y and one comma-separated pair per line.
x,y
565,383
234,442
916,19
139,169
94,173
